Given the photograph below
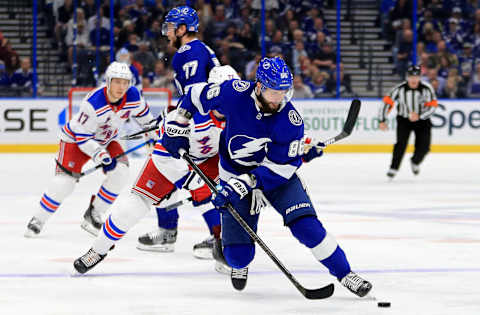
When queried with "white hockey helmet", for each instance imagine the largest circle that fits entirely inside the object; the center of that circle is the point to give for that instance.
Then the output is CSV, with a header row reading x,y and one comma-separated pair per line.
x,y
222,73
118,70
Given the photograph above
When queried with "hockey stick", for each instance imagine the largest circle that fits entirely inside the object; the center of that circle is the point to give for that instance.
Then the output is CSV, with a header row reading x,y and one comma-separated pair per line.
x,y
96,167
137,135
313,294
349,123
177,204
347,127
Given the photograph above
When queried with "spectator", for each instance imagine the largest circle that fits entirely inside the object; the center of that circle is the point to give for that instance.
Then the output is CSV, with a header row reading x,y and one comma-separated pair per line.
x,y
145,57
325,58
4,78
92,21
8,55
431,75
319,84
161,77
474,84
22,79
89,8
404,52
248,38
297,52
451,89
301,90
345,83
217,26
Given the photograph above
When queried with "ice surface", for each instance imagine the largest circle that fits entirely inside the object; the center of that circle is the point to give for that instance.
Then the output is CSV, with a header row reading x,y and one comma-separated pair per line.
x,y
417,239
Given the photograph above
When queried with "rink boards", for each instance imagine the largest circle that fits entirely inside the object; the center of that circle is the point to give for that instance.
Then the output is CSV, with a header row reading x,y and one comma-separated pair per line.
x,y
33,125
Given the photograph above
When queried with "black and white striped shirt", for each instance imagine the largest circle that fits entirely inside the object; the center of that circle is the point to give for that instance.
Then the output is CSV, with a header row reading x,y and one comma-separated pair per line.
x,y
421,100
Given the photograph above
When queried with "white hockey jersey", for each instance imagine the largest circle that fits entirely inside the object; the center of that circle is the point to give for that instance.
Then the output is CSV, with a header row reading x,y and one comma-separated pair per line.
x,y
205,135
98,122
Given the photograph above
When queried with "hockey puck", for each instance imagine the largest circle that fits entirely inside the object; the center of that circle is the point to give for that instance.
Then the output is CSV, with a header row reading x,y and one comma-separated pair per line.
x,y
383,304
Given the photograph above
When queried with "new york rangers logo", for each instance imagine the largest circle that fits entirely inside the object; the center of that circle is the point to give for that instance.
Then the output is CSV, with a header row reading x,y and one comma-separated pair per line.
x,y
150,183
246,150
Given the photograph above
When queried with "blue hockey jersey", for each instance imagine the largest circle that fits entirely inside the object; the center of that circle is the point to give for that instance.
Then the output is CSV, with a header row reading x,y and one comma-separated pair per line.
x,y
269,146
192,64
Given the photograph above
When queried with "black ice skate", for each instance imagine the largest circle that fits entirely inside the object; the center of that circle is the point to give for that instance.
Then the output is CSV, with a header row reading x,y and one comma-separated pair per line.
x,y
204,249
415,168
160,240
239,278
34,227
356,284
221,265
92,222
88,261
391,173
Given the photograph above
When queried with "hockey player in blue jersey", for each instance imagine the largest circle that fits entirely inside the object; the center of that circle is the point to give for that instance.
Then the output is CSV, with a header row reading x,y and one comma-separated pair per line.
x,y
192,64
261,147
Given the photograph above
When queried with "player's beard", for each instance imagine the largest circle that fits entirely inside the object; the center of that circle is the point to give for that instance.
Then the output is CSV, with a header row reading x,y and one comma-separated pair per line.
x,y
178,42
265,106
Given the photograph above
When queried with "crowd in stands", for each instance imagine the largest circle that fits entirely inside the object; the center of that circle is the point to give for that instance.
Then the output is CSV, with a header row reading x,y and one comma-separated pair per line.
x,y
16,76
448,46
295,30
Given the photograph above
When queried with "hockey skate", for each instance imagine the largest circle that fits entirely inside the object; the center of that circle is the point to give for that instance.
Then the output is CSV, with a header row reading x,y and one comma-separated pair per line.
x,y
356,284
88,261
391,173
204,249
92,222
160,240
415,168
34,227
239,278
221,265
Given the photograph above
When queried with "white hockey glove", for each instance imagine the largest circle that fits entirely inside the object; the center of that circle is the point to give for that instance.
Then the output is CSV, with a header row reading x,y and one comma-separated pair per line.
x,y
104,158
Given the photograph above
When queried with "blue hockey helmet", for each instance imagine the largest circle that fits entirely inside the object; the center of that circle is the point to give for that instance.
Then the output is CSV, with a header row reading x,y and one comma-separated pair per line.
x,y
273,73
181,15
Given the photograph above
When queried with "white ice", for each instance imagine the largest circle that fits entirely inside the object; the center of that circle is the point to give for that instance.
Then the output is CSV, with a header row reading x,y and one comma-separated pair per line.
x,y
417,239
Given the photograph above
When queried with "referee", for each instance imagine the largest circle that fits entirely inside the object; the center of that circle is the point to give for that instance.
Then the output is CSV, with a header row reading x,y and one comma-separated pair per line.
x,y
415,102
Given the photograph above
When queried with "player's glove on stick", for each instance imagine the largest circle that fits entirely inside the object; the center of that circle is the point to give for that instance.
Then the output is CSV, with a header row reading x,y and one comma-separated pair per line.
x,y
104,158
176,138
232,192
312,152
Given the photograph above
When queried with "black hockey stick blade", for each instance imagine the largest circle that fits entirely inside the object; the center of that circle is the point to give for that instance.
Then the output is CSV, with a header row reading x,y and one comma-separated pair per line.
x,y
138,134
349,123
318,294
352,116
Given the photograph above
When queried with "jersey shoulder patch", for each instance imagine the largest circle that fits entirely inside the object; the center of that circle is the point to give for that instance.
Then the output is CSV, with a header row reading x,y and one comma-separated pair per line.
x,y
184,48
295,117
240,85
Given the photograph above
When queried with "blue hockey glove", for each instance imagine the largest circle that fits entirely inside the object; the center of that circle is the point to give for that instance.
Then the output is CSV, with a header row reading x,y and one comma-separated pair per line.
x,y
232,192
176,137
104,158
313,152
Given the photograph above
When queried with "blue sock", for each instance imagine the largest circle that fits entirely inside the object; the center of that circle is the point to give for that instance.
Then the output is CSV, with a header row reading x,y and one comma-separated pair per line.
x,y
239,255
167,219
212,218
337,264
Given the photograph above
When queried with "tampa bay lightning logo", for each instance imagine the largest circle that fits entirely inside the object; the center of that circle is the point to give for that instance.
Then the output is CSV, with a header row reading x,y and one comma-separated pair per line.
x,y
246,150
295,118
266,65
240,85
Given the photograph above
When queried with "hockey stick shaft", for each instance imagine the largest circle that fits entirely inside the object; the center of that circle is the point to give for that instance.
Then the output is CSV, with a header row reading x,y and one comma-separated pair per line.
x,y
137,135
96,167
322,292
177,204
